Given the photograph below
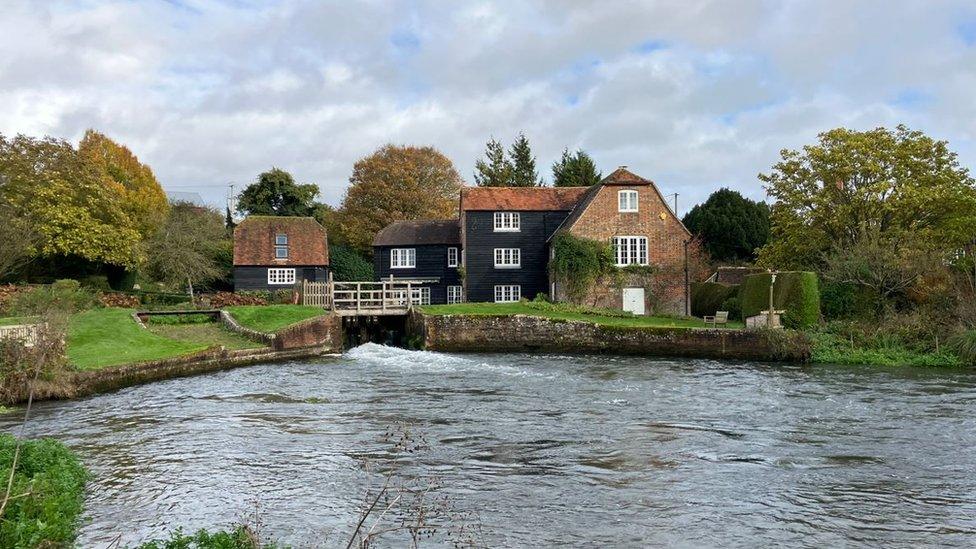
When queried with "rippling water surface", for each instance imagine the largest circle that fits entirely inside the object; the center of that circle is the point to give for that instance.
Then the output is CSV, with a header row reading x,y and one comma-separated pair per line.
x,y
542,450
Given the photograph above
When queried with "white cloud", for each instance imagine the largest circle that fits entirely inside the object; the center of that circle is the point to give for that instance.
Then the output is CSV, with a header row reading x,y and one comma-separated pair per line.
x,y
695,96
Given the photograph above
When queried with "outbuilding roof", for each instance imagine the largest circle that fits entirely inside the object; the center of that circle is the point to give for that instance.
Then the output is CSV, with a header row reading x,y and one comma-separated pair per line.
x,y
419,233
254,241
520,198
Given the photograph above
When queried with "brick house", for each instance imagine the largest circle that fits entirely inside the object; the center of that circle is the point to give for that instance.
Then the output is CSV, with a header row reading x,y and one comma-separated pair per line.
x,y
276,253
505,236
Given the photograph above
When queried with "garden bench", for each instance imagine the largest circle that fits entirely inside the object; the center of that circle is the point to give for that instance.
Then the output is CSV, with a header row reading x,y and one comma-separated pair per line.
x,y
720,317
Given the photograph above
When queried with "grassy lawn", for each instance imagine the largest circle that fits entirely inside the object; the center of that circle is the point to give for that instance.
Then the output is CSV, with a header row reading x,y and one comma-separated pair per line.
x,y
108,337
11,320
553,311
206,334
271,318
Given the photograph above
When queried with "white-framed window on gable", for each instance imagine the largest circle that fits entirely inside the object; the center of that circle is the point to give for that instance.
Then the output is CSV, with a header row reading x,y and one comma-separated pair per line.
x,y
281,246
508,293
630,250
403,258
452,257
627,201
281,276
455,294
508,258
507,222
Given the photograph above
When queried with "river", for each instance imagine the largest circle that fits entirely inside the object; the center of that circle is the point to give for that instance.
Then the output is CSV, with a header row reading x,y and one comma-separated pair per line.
x,y
539,450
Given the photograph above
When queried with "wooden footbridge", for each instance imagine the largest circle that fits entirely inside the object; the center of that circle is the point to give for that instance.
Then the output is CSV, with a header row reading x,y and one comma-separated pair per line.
x,y
387,297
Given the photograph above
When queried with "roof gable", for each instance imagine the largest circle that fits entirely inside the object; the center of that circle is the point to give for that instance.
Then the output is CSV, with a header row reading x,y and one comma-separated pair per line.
x,y
254,241
521,198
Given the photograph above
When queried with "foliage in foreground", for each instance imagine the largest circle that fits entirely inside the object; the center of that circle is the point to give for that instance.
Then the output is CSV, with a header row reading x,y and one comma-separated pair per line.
x,y
46,497
40,367
238,538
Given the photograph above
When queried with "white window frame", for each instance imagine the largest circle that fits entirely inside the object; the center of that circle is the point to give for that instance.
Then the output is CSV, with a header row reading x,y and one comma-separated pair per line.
x,y
420,296
508,258
455,294
507,293
281,245
507,222
281,277
403,258
452,257
627,201
630,250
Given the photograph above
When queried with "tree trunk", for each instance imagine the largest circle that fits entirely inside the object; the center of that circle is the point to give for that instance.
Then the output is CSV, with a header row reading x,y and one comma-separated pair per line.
x,y
190,283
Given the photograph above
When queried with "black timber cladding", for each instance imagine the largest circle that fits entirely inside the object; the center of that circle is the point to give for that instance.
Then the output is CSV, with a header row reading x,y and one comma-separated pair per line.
x,y
431,264
481,240
255,278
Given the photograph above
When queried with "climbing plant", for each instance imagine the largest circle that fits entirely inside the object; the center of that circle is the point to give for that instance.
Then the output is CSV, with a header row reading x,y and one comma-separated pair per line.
x,y
578,262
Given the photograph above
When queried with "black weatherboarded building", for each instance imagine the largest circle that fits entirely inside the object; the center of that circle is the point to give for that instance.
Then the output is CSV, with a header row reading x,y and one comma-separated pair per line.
x,y
278,253
428,252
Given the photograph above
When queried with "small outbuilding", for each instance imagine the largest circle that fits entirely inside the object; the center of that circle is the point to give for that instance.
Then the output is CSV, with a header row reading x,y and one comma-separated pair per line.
x,y
276,253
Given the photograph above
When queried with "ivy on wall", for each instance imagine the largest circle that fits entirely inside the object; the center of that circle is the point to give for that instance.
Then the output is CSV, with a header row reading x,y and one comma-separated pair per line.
x,y
578,262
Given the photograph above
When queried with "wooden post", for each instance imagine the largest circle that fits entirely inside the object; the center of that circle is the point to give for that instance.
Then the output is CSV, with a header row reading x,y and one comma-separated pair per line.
x,y
383,294
409,295
359,296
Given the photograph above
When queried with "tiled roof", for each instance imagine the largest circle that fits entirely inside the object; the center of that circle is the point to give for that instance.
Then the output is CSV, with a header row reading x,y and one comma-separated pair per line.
x,y
418,233
520,198
254,241
623,176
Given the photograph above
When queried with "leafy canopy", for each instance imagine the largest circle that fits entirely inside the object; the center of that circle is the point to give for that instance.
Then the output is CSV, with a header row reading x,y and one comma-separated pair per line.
x,y
885,182
69,200
276,193
575,170
731,226
396,183
188,248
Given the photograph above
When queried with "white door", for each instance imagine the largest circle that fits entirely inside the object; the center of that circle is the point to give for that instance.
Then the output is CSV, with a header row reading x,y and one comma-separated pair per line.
x,y
634,300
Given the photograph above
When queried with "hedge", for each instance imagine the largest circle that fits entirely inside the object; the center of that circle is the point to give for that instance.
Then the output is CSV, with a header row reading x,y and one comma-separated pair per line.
x,y
707,297
796,291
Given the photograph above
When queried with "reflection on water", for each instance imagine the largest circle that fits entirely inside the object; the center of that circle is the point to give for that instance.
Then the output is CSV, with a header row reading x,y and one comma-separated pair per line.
x,y
545,450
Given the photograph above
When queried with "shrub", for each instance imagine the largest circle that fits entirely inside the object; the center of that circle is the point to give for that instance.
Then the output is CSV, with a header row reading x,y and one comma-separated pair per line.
x,y
123,301
53,480
578,262
220,300
964,346
347,265
40,367
843,300
733,306
708,297
97,283
63,295
795,291
238,538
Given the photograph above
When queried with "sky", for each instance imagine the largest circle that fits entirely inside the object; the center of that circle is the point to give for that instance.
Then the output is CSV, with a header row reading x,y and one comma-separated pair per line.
x,y
695,94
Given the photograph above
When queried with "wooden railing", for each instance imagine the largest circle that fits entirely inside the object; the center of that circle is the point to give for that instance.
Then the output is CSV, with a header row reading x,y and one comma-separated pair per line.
x,y
385,297
26,333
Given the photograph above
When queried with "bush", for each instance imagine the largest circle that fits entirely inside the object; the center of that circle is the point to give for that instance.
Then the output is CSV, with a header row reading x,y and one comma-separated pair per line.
x,y
63,295
220,300
119,300
97,283
40,367
238,538
708,297
347,265
964,346
843,300
796,291
578,262
733,306
53,479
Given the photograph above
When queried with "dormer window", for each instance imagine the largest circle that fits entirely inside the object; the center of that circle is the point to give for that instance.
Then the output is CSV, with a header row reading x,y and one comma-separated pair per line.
x,y
281,246
627,201
507,222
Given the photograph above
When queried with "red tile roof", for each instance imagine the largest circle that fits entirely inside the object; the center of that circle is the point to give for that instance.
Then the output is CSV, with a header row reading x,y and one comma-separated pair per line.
x,y
254,241
521,198
623,176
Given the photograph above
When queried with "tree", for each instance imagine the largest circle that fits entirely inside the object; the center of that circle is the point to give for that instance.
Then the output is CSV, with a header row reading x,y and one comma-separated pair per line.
x,y
898,182
348,265
731,226
65,196
18,238
497,170
188,247
523,164
396,183
575,170
276,193
141,197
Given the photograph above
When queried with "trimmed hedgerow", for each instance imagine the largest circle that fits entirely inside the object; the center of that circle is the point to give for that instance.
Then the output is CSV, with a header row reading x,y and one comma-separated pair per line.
x,y
47,494
707,297
796,291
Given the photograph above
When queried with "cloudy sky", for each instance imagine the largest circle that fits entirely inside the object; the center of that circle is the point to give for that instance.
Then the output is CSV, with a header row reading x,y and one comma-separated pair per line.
x,y
694,94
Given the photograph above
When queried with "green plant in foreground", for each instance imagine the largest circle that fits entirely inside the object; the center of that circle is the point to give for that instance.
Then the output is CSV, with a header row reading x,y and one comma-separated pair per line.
x,y
238,538
964,346
46,495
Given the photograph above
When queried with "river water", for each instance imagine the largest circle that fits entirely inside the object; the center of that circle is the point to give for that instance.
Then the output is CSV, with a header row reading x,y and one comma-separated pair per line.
x,y
537,450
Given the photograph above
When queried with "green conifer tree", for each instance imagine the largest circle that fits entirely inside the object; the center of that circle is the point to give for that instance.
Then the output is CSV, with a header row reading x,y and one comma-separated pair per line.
x,y
520,156
495,170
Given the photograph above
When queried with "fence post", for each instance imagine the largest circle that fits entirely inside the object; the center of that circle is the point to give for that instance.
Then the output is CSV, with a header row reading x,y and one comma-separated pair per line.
x,y
359,296
409,295
383,294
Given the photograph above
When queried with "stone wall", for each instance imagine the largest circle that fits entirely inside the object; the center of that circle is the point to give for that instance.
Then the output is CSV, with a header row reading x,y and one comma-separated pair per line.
x,y
486,333
319,331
